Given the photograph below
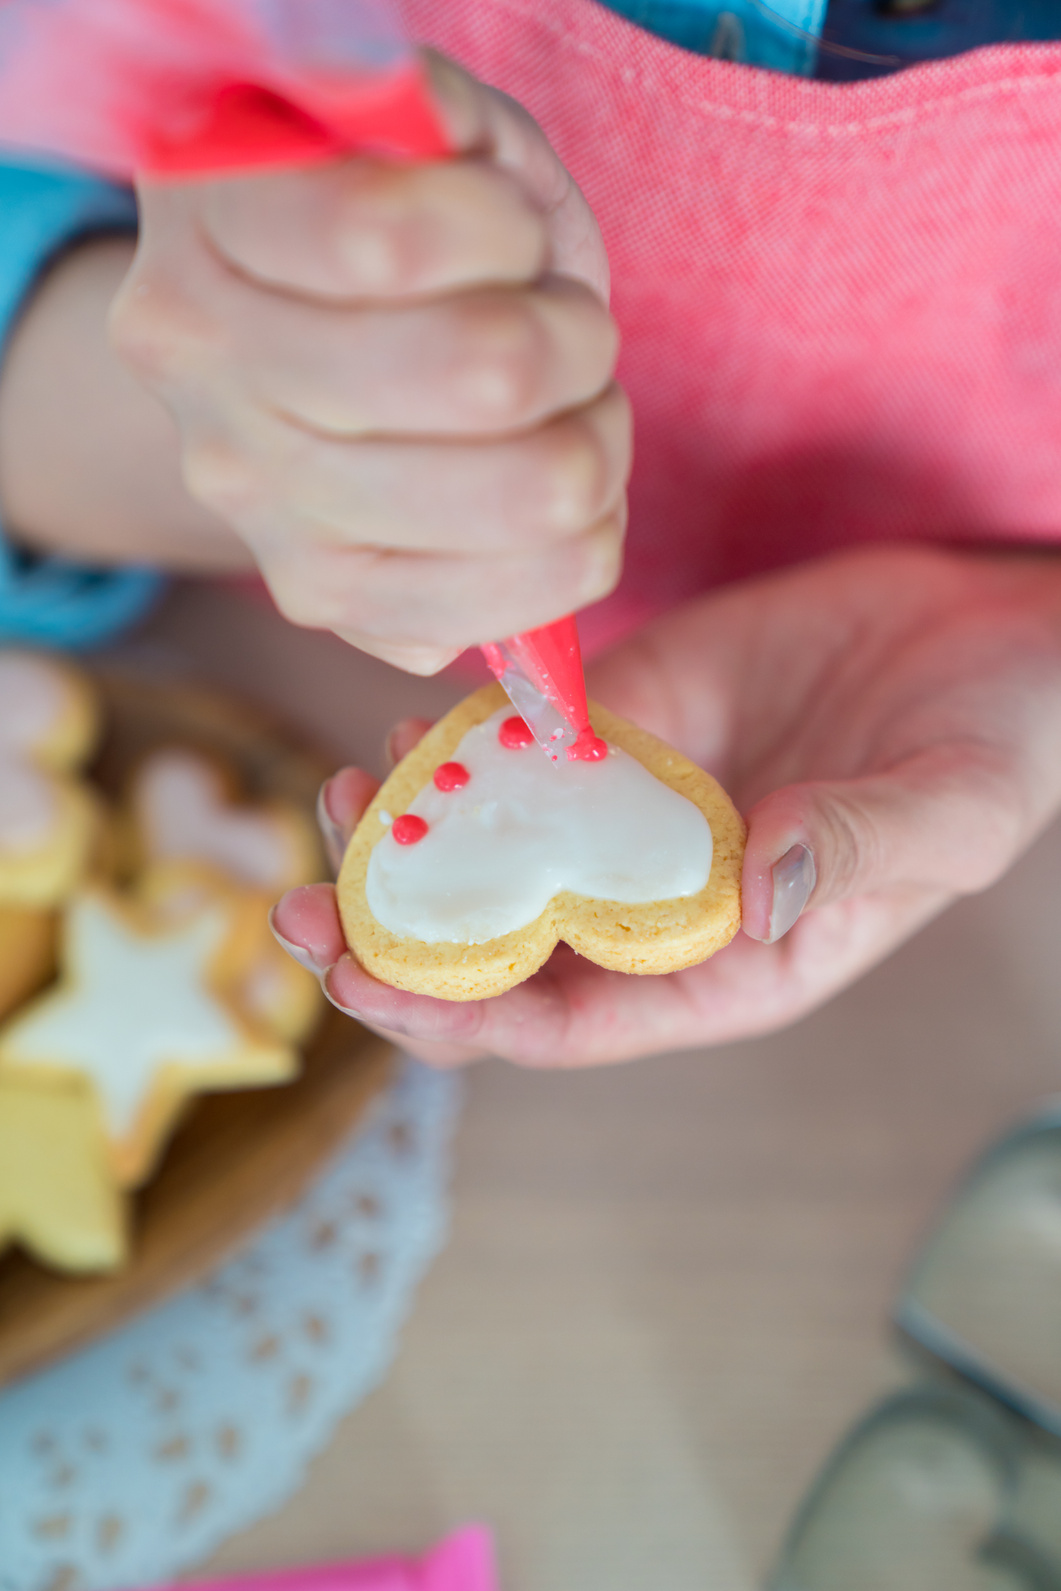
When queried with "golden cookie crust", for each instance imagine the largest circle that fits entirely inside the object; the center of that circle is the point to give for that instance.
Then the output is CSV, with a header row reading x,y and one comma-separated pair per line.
x,y
255,1058
657,937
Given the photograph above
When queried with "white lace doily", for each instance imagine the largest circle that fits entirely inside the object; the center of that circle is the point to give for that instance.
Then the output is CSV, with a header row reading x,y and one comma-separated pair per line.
x,y
136,1458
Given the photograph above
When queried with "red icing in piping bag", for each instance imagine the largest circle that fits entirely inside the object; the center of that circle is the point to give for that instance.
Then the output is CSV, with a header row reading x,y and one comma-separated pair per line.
x,y
549,661
177,88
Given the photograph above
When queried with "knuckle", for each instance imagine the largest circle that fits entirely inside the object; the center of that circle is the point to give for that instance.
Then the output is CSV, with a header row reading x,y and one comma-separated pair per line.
x,y
502,361
853,844
158,332
221,477
308,602
599,557
578,477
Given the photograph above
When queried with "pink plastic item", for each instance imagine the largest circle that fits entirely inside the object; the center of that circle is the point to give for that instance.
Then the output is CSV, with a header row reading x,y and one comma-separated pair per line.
x,y
541,670
177,88
464,1561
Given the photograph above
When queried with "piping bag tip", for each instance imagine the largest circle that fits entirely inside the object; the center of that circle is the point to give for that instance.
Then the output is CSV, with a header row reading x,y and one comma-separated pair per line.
x,y
541,673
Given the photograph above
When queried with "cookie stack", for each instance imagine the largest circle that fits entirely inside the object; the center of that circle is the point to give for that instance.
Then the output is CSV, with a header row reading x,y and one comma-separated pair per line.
x,y
137,968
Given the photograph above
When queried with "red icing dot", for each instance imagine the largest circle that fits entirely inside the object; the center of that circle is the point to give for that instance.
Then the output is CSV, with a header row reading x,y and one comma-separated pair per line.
x,y
408,828
451,776
514,734
588,747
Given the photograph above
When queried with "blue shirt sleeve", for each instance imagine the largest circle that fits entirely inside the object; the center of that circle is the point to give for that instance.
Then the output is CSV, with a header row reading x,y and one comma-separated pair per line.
x,y
44,600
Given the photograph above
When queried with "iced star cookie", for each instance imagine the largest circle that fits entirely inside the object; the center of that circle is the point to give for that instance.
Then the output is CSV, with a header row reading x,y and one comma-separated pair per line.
x,y
48,819
185,808
57,1197
138,1013
479,854
270,989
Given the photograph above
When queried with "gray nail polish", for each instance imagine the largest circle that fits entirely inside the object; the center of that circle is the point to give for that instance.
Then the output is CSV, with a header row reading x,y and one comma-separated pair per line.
x,y
794,877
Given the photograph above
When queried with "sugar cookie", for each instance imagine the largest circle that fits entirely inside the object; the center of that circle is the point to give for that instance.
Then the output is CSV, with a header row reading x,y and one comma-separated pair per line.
x,y
478,854
48,819
57,1197
270,989
27,953
138,1012
185,809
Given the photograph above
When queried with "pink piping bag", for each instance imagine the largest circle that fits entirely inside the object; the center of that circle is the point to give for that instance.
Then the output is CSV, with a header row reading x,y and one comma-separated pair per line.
x,y
175,88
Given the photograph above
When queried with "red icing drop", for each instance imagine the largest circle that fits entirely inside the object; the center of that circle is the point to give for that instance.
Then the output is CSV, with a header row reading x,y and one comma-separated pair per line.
x,y
589,747
408,828
514,734
451,776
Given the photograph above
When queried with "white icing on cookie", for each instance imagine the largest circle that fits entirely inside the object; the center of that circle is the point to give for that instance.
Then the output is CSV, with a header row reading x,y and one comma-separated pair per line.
x,y
181,806
522,830
33,698
29,808
140,1003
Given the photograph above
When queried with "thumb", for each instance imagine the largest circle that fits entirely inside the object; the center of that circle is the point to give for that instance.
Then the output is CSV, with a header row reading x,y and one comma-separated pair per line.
x,y
946,820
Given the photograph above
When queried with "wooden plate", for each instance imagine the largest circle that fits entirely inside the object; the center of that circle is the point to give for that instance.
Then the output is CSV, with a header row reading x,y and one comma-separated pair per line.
x,y
238,1158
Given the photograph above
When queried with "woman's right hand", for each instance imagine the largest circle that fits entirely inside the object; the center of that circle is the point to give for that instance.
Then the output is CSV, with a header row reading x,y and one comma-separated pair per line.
x,y
395,381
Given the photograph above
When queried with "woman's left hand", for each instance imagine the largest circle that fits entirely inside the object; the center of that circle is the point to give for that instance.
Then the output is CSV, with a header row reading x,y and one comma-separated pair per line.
x,y
889,721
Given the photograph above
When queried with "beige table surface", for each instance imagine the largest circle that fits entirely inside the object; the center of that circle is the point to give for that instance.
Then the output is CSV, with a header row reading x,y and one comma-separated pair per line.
x,y
666,1289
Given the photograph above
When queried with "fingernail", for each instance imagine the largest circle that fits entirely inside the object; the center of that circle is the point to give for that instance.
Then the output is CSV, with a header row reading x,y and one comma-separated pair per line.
x,y
297,952
390,747
334,840
347,1010
794,877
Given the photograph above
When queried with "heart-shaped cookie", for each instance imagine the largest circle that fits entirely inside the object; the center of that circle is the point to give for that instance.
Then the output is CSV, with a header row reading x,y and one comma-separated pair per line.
x,y
185,808
48,820
479,854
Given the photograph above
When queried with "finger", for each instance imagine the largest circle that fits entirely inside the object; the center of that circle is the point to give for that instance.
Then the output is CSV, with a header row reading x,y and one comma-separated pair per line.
x,y
488,121
573,1013
946,820
464,496
341,801
483,363
409,655
407,733
369,229
306,923
423,600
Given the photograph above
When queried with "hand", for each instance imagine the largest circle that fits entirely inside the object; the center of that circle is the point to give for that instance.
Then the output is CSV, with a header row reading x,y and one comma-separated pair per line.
x,y
395,381
888,720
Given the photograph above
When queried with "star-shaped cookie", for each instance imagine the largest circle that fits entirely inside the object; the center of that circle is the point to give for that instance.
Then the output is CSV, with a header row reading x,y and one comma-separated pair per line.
x,y
270,989
57,1197
138,1012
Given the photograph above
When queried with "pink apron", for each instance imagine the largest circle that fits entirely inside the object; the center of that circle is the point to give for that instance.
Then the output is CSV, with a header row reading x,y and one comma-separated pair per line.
x,y
840,305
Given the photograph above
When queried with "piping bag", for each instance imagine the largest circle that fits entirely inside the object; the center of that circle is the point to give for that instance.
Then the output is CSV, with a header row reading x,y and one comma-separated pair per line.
x,y
183,88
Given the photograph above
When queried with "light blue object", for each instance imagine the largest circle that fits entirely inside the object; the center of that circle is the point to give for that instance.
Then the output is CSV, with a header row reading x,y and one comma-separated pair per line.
x,y
50,601
782,35
134,1460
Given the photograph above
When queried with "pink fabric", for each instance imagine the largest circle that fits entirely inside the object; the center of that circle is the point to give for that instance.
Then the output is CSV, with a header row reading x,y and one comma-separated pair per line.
x,y
463,1562
840,304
